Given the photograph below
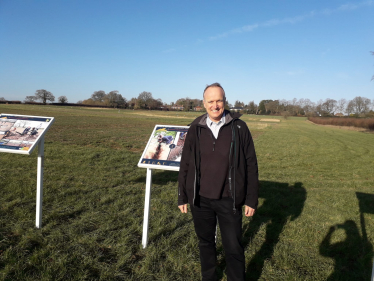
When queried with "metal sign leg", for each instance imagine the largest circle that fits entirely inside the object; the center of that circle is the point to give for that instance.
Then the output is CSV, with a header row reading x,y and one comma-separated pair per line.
x,y
39,190
147,204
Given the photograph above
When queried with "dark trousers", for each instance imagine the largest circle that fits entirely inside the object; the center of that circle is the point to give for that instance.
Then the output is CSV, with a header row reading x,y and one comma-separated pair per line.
x,y
205,217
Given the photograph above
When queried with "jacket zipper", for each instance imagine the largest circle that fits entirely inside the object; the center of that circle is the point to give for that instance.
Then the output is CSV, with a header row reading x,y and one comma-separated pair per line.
x,y
230,169
194,187
233,139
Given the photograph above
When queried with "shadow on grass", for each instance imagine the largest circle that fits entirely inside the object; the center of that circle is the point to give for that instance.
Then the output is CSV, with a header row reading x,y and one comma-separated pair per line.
x,y
168,231
160,177
353,256
281,203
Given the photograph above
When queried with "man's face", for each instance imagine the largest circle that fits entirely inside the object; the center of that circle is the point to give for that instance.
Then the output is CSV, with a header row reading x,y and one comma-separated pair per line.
x,y
214,103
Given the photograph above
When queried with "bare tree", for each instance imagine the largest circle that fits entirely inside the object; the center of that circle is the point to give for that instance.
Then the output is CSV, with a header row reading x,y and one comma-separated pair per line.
x,y
2,99
309,107
367,105
252,107
328,107
155,104
98,96
44,96
239,104
272,106
62,99
30,99
361,105
133,102
341,105
114,99
350,108
144,98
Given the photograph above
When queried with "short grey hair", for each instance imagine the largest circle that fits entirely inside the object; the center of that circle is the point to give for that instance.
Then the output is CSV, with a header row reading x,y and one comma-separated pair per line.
x,y
218,85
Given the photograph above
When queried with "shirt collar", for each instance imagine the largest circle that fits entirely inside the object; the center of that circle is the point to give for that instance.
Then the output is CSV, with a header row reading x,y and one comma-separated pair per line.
x,y
222,121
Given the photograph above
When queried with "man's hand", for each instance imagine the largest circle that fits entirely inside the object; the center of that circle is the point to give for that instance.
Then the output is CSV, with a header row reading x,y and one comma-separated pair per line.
x,y
249,212
183,208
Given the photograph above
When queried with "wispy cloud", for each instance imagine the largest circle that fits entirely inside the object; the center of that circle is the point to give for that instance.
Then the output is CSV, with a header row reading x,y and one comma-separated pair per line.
x,y
355,6
288,20
292,20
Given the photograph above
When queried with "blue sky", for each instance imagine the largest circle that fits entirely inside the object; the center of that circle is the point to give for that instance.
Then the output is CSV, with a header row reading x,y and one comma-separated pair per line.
x,y
276,49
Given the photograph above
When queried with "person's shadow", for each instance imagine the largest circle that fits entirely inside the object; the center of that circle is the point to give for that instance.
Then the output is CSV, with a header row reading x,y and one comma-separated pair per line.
x,y
353,256
281,203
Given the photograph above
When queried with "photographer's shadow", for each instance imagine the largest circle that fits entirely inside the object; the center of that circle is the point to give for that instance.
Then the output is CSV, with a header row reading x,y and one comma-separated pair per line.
x,y
353,256
281,203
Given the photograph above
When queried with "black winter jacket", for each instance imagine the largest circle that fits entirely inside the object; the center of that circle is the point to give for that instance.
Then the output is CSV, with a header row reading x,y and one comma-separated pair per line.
x,y
243,170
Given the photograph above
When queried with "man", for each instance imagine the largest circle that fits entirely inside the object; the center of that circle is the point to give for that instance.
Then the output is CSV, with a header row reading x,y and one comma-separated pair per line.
x,y
25,131
218,175
166,139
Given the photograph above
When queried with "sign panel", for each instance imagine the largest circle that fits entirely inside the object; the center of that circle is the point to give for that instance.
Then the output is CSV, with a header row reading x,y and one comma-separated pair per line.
x,y
21,133
164,148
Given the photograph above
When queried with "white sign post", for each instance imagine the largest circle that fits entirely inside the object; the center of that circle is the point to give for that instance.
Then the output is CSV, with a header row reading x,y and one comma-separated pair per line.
x,y
20,134
163,151
147,205
39,184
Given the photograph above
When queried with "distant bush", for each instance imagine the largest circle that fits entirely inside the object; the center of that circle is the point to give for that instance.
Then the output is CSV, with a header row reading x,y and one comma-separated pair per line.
x,y
367,123
10,101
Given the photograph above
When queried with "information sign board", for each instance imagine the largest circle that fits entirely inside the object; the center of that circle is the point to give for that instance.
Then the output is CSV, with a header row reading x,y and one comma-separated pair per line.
x,y
164,148
21,133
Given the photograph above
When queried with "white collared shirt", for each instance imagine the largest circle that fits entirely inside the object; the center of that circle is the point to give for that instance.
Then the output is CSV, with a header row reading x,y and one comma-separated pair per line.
x,y
213,126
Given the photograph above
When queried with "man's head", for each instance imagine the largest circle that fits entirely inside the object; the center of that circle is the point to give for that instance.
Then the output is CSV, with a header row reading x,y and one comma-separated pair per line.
x,y
214,101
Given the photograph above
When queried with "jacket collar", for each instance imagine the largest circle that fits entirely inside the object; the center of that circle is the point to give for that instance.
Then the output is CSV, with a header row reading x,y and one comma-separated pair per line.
x,y
201,121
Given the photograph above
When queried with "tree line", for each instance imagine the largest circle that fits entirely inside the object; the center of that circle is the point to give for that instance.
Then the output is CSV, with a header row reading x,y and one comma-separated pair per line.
x,y
359,106
44,96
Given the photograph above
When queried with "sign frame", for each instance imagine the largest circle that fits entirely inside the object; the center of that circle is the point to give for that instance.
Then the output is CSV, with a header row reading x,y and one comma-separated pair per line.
x,y
162,164
44,121
151,166
39,141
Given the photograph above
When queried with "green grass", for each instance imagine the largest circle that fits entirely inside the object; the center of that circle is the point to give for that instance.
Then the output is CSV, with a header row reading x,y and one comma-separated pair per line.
x,y
308,225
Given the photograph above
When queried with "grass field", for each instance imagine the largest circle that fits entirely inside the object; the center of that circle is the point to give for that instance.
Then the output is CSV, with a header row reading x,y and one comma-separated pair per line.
x,y
310,224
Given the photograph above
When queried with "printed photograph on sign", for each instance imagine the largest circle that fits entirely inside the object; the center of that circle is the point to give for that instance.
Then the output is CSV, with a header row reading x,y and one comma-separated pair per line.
x,y
19,133
159,147
176,153
24,131
164,148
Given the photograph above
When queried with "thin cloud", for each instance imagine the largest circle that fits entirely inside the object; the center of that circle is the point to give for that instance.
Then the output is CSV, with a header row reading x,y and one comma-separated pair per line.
x,y
349,6
291,20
